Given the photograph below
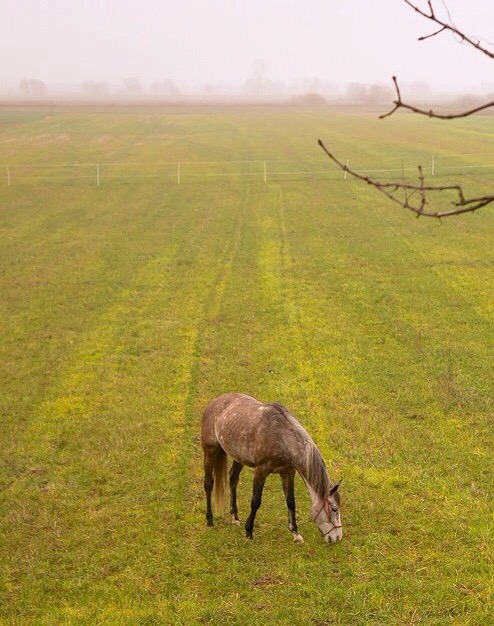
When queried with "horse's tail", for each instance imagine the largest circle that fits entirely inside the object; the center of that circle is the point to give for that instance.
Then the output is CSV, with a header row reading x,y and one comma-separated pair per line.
x,y
219,477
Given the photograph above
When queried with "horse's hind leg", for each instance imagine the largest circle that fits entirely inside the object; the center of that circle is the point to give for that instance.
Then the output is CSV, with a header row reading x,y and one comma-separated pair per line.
x,y
234,476
288,479
215,465
208,484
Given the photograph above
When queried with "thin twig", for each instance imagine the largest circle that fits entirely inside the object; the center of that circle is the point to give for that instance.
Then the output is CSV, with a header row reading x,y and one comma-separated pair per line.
x,y
424,37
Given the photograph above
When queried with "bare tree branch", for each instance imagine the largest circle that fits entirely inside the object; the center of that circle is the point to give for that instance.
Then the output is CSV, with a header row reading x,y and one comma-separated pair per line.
x,y
415,197
446,26
399,104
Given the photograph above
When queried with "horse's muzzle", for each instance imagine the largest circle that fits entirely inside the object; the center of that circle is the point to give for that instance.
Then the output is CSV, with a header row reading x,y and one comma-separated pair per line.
x,y
334,535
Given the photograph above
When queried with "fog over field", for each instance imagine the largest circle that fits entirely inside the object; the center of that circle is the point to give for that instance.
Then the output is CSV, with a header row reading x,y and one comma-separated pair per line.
x,y
256,47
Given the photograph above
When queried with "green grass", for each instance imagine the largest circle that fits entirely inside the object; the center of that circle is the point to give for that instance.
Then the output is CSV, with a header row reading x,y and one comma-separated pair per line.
x,y
124,309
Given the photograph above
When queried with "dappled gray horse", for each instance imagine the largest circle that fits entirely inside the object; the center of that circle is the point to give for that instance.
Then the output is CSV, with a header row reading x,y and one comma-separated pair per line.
x,y
268,438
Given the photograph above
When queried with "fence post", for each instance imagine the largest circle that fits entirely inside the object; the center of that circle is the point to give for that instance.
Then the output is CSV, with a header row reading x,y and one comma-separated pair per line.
x,y
8,176
346,172
97,175
178,173
433,168
265,172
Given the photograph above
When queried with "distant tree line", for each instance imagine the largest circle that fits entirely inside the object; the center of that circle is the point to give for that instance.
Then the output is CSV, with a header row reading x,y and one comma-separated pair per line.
x,y
32,87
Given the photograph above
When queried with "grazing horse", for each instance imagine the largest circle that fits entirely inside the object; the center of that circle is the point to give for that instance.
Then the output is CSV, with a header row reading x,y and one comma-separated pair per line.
x,y
268,438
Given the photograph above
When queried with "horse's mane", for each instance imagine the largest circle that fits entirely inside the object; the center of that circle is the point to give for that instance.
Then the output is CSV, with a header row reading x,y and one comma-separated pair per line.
x,y
313,469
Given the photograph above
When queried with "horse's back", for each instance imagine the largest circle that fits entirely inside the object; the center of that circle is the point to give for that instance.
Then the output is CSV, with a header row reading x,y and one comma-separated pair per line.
x,y
245,427
215,409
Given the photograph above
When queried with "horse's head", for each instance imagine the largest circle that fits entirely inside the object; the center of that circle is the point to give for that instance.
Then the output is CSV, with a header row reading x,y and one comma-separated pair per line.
x,y
326,515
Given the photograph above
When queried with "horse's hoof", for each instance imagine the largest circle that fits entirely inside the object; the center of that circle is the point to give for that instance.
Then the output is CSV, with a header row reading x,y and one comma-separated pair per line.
x,y
298,538
236,522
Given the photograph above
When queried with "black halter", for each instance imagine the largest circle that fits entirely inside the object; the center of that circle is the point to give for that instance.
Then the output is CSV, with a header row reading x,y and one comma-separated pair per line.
x,y
323,507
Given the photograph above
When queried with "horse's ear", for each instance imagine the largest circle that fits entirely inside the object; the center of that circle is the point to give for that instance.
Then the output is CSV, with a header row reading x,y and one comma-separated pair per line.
x,y
334,488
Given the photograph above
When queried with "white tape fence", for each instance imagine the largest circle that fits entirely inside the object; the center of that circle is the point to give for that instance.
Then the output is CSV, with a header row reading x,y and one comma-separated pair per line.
x,y
180,172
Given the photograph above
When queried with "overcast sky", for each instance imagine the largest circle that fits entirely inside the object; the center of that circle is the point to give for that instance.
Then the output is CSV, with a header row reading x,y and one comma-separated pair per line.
x,y
194,42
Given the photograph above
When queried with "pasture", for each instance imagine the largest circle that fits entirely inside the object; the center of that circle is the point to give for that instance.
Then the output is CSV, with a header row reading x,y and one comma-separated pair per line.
x,y
126,307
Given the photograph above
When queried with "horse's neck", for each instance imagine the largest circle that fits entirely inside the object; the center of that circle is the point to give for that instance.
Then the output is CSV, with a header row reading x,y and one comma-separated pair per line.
x,y
306,470
316,500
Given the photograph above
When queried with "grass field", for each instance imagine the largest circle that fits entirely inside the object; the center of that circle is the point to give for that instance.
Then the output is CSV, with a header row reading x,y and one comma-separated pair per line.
x,y
125,308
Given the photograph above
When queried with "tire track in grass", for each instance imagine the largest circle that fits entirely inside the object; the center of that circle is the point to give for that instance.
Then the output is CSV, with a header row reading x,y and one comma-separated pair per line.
x,y
317,372
188,494
209,310
187,486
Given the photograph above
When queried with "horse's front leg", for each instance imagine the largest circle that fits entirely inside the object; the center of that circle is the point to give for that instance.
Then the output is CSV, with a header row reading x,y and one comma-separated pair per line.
x,y
234,475
288,480
260,475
